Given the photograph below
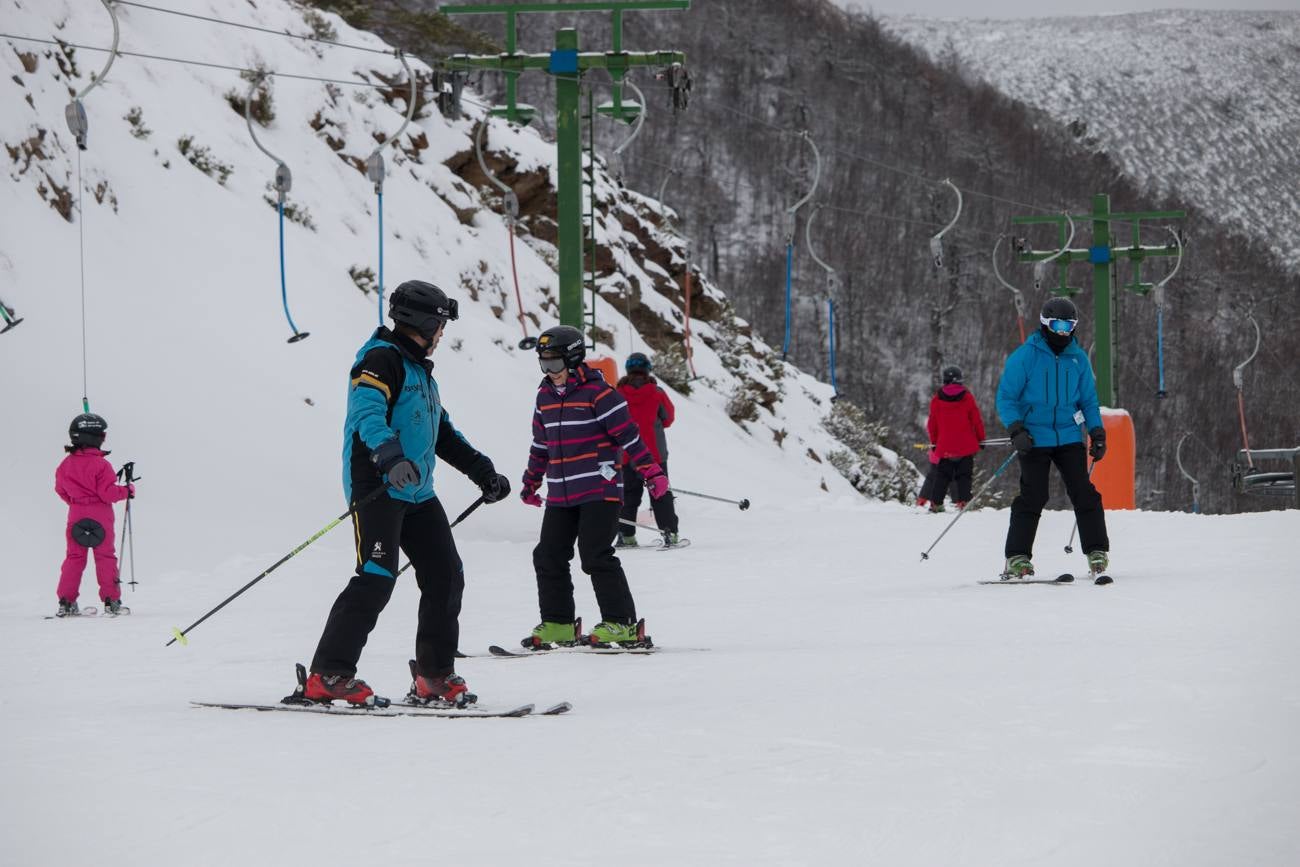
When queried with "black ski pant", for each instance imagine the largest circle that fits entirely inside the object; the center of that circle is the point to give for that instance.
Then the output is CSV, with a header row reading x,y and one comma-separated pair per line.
x,y
664,508
928,486
380,528
1072,462
949,471
591,525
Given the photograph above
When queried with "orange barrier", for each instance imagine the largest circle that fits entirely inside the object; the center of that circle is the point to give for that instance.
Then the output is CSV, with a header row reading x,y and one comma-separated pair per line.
x,y
1115,475
608,368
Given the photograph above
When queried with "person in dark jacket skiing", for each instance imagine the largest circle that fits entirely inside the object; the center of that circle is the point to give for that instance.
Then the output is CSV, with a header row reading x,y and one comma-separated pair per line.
x,y
956,428
396,430
653,411
581,427
1047,390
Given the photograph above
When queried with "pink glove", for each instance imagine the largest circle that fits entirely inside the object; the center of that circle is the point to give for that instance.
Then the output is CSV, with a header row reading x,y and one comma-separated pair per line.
x,y
529,496
130,492
934,455
658,486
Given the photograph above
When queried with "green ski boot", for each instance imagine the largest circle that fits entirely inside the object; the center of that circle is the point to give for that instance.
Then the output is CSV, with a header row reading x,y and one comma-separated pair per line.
x,y
1018,567
671,540
1098,563
625,541
547,635
610,634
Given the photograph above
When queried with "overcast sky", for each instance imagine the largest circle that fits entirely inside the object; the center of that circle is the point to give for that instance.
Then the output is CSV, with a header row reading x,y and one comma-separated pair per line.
x,y
1043,8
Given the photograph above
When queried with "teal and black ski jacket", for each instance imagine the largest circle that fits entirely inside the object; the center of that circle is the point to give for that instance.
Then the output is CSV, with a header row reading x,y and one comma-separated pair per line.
x,y
392,394
1044,390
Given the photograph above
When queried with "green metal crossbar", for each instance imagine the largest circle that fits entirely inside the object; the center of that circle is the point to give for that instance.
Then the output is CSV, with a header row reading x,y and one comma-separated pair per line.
x,y
1103,256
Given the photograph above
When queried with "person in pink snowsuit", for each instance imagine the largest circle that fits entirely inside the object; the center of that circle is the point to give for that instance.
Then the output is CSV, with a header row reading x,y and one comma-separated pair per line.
x,y
87,483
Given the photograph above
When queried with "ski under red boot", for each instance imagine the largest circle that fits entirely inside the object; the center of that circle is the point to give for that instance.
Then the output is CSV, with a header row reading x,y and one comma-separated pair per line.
x,y
317,688
446,690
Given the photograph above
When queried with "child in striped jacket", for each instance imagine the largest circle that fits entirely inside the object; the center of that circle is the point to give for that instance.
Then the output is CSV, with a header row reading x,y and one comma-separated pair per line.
x,y
579,427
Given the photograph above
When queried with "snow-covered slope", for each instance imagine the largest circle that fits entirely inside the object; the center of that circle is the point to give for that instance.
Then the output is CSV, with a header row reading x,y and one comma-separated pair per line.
x,y
186,337
1195,103
852,706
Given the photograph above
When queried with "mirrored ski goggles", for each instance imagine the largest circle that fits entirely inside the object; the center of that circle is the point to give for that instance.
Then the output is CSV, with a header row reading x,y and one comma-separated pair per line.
x,y
1059,326
551,364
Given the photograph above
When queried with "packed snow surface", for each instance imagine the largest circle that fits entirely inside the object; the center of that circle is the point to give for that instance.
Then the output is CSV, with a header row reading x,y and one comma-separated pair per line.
x,y
851,704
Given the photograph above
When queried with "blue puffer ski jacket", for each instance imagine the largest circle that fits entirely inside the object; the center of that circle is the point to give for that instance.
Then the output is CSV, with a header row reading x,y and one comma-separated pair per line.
x,y
1044,390
391,394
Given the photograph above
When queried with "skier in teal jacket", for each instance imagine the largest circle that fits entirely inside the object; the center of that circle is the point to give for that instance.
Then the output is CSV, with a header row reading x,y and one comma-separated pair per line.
x,y
1046,396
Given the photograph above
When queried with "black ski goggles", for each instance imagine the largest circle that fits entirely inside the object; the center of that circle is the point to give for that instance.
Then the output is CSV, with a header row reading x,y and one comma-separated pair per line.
x,y
552,364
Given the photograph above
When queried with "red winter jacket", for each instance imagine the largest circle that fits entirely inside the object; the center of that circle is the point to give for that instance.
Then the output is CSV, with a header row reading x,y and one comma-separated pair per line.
x,y
651,410
955,425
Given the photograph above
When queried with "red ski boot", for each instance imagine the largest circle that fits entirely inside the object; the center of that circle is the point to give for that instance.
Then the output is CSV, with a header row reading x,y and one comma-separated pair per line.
x,y
443,690
325,688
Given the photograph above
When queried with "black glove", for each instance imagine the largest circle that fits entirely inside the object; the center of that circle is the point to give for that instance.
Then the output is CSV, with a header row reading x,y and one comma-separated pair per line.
x,y
496,489
391,461
1098,447
482,473
1021,441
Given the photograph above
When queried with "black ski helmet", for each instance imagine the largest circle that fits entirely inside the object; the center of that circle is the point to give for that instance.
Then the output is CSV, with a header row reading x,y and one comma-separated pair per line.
x,y
88,429
1058,307
951,374
422,306
638,361
563,341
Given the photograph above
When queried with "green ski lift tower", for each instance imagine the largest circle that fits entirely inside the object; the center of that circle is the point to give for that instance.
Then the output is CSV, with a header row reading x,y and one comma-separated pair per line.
x,y
567,64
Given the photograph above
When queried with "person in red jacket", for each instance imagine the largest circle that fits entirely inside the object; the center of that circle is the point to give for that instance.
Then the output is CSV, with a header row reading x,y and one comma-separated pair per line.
x,y
956,428
652,410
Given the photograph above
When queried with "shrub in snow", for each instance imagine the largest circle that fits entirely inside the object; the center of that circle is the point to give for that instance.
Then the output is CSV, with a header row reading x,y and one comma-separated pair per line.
x,y
864,461
202,159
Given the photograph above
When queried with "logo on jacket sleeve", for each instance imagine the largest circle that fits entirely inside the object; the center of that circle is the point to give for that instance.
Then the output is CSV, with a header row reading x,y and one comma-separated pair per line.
x,y
377,553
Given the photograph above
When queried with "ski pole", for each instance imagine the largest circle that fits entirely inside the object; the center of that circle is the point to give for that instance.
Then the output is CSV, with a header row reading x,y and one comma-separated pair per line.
x,y
463,515
992,441
964,509
635,524
179,634
127,474
1069,546
743,503
11,318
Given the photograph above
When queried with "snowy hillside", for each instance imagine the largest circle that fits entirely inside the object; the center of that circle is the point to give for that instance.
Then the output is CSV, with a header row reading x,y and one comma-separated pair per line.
x,y
185,330
820,698
1195,103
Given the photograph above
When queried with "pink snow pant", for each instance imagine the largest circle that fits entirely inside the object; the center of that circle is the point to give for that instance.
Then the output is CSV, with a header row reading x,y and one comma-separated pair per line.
x,y
105,554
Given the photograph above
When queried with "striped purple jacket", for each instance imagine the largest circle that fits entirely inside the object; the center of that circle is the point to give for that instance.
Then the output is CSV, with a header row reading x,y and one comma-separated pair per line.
x,y
579,438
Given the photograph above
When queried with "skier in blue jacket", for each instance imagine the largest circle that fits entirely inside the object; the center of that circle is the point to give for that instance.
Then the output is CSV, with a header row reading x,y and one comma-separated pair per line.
x,y
396,431
1046,394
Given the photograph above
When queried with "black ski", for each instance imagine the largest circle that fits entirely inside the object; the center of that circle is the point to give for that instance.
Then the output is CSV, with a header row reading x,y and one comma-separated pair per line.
x,y
1100,580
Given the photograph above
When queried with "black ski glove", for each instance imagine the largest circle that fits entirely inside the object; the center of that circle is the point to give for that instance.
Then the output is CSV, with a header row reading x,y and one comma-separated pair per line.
x,y
391,461
495,487
1098,447
1021,441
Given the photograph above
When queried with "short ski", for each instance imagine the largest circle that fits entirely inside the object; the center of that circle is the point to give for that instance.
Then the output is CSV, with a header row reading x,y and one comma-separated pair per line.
x,y
1100,580
1065,578
397,709
89,611
583,650
656,545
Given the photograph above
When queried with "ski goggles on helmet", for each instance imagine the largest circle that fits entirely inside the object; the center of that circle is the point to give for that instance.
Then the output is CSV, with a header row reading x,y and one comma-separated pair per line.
x,y
1059,326
552,364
